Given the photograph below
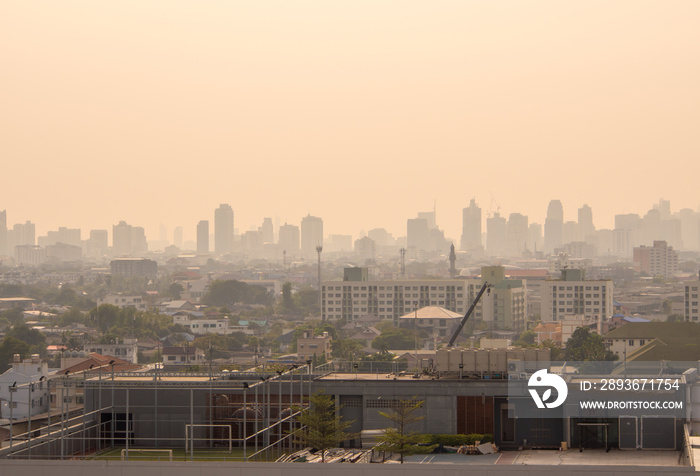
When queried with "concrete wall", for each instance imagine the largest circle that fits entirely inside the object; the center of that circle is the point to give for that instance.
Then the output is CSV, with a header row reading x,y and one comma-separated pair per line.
x,y
124,468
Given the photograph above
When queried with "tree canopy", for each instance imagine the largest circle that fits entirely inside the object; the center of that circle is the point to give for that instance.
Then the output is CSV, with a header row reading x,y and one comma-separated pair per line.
x,y
400,439
584,345
322,427
230,292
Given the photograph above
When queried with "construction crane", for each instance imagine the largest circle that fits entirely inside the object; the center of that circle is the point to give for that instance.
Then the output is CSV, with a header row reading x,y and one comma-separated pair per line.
x,y
486,286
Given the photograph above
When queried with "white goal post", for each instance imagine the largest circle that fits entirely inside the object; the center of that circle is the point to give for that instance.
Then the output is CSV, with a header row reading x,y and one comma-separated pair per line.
x,y
189,430
125,452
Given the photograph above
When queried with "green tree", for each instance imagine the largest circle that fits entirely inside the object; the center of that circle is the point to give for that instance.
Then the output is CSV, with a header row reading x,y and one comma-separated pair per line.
x,y
346,349
322,427
306,301
31,336
14,315
400,439
397,339
555,351
227,293
175,290
286,305
381,356
104,316
8,348
584,345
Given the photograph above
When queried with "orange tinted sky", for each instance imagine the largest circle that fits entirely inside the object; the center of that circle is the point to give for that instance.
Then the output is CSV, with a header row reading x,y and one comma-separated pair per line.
x,y
361,112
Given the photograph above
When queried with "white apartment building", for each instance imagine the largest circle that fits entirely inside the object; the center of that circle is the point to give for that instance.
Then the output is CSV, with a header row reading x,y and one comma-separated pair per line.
x,y
122,301
203,325
23,389
504,306
126,350
691,300
349,300
573,297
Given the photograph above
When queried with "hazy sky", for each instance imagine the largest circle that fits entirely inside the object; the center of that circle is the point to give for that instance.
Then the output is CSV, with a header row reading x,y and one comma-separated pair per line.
x,y
361,112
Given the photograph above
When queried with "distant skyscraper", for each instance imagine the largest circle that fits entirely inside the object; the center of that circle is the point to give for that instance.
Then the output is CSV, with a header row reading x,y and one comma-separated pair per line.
x,y
516,234
223,229
3,233
96,246
203,236
496,235
585,222
267,233
554,226
177,236
289,239
66,236
471,227
128,240
311,234
121,239
430,217
418,233
21,235
381,237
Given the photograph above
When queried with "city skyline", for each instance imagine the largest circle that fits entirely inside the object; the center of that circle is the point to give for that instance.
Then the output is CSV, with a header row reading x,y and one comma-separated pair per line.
x,y
513,226
362,114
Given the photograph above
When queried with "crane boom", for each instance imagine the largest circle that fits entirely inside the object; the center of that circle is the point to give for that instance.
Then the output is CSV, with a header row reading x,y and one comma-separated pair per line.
x,y
468,314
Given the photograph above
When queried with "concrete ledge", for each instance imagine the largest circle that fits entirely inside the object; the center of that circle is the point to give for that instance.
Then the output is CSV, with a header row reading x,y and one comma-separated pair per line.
x,y
151,468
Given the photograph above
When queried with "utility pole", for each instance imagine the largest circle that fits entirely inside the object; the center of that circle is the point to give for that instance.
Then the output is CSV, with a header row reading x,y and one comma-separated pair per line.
x,y
319,248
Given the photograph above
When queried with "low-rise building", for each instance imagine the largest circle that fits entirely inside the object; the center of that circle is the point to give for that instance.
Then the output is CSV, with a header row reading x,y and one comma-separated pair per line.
x,y
23,392
183,355
123,301
202,325
309,346
126,350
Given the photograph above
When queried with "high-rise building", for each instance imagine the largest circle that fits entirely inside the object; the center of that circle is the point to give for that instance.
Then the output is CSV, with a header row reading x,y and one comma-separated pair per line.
x,y
67,236
496,235
381,237
554,226
21,234
692,301
471,227
289,239
128,240
203,236
657,260
505,306
98,242
516,234
3,233
585,223
223,229
177,236
417,233
365,248
575,297
311,234
430,217
267,231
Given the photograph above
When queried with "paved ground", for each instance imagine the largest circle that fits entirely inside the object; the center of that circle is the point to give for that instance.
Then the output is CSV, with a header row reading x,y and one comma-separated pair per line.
x,y
551,457
614,457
